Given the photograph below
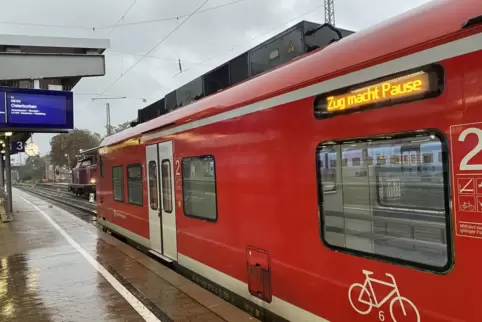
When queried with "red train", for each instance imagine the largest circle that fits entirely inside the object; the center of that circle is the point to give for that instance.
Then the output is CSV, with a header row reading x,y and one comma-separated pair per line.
x,y
343,186
84,176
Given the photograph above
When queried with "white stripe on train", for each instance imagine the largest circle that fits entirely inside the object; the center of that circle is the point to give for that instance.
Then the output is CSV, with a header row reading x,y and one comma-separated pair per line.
x,y
432,55
277,305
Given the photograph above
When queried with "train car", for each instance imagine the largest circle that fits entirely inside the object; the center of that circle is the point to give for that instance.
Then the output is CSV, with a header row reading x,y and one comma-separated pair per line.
x,y
345,185
84,174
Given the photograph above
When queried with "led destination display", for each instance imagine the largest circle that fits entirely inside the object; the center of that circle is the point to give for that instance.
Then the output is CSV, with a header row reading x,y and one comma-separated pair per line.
x,y
405,87
401,87
35,110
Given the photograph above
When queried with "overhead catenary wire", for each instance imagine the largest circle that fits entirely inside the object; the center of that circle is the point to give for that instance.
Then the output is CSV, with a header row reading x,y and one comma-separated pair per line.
x,y
122,35
172,59
141,98
118,24
154,47
203,63
121,18
135,23
263,33
33,24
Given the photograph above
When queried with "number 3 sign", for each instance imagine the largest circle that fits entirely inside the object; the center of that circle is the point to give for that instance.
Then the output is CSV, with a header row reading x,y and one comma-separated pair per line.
x,y
466,150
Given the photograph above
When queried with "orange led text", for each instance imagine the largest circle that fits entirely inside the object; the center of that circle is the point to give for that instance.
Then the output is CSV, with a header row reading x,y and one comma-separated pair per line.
x,y
402,87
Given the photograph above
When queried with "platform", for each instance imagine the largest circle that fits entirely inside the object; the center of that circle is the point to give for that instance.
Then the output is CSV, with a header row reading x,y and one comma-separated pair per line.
x,y
56,267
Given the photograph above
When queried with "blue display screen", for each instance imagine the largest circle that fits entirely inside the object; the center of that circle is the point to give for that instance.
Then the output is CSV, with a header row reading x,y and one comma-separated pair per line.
x,y
36,109
2,109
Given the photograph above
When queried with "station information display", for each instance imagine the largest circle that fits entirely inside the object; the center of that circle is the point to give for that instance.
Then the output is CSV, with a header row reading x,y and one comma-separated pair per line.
x,y
35,110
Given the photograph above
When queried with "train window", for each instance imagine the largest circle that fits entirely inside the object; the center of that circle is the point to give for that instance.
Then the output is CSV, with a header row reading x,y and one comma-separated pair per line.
x,y
199,187
327,169
86,162
394,159
153,193
428,158
381,159
134,184
118,183
101,165
397,211
166,186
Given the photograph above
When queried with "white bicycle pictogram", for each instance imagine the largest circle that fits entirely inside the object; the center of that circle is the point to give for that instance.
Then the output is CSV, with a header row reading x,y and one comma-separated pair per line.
x,y
368,297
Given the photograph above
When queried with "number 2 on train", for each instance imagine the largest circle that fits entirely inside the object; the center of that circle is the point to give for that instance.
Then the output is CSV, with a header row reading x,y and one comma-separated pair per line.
x,y
178,168
464,166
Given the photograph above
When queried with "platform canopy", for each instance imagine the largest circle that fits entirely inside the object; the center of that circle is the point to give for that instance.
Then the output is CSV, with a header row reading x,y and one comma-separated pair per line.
x,y
31,57
29,64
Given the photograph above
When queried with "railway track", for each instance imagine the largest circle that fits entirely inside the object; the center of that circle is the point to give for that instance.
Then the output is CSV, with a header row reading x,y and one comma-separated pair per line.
x,y
63,199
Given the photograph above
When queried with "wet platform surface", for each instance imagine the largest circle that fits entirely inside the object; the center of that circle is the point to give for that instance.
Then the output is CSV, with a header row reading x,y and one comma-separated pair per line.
x,y
56,267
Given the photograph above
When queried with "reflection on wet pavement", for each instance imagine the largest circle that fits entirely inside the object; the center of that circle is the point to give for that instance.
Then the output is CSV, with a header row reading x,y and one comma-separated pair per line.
x,y
44,277
47,286
19,300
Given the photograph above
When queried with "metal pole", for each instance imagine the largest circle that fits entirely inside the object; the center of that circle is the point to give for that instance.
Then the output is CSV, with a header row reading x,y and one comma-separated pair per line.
x,y
8,170
107,121
330,11
2,179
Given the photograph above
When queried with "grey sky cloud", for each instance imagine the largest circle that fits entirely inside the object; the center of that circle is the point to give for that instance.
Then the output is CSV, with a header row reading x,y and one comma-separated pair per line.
x,y
242,25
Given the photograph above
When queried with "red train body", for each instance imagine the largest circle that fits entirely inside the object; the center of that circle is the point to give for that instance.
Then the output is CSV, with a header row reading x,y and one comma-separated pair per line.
x,y
343,186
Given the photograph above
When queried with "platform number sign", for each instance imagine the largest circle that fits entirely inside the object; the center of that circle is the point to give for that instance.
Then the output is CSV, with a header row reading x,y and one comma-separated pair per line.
x,y
16,147
466,156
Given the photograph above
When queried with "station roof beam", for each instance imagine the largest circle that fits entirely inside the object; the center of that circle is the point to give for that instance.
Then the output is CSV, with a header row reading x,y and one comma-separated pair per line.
x,y
32,57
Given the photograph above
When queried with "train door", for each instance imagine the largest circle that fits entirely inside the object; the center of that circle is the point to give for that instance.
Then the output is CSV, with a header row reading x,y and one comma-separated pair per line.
x,y
167,211
162,213
155,224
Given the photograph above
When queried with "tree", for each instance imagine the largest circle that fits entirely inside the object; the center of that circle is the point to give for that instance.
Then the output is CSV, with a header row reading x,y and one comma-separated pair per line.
x,y
120,127
34,169
65,147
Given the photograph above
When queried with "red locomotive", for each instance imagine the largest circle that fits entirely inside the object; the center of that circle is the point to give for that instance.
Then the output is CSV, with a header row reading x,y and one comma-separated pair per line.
x,y
84,174
337,187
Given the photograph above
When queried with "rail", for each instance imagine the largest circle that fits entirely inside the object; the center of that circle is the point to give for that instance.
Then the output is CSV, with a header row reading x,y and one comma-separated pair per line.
x,y
61,198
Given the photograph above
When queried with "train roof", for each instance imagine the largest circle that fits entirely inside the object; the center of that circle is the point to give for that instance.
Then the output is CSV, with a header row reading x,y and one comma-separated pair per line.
x,y
427,23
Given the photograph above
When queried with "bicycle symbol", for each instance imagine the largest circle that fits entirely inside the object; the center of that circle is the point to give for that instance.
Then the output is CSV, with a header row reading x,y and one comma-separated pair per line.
x,y
368,297
467,206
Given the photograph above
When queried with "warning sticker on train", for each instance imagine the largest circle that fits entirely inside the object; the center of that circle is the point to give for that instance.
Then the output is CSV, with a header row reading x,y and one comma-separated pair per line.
x,y
466,150
291,47
466,185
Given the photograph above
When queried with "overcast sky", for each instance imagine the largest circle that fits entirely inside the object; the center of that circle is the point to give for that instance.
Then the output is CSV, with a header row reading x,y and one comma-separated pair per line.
x,y
210,34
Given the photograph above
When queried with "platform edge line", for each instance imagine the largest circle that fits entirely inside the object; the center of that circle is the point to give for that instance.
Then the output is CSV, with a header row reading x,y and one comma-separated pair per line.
x,y
138,306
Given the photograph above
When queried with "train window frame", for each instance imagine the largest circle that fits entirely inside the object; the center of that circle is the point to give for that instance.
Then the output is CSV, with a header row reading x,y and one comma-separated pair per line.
x,y
446,192
436,73
129,166
121,167
156,177
193,216
171,201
